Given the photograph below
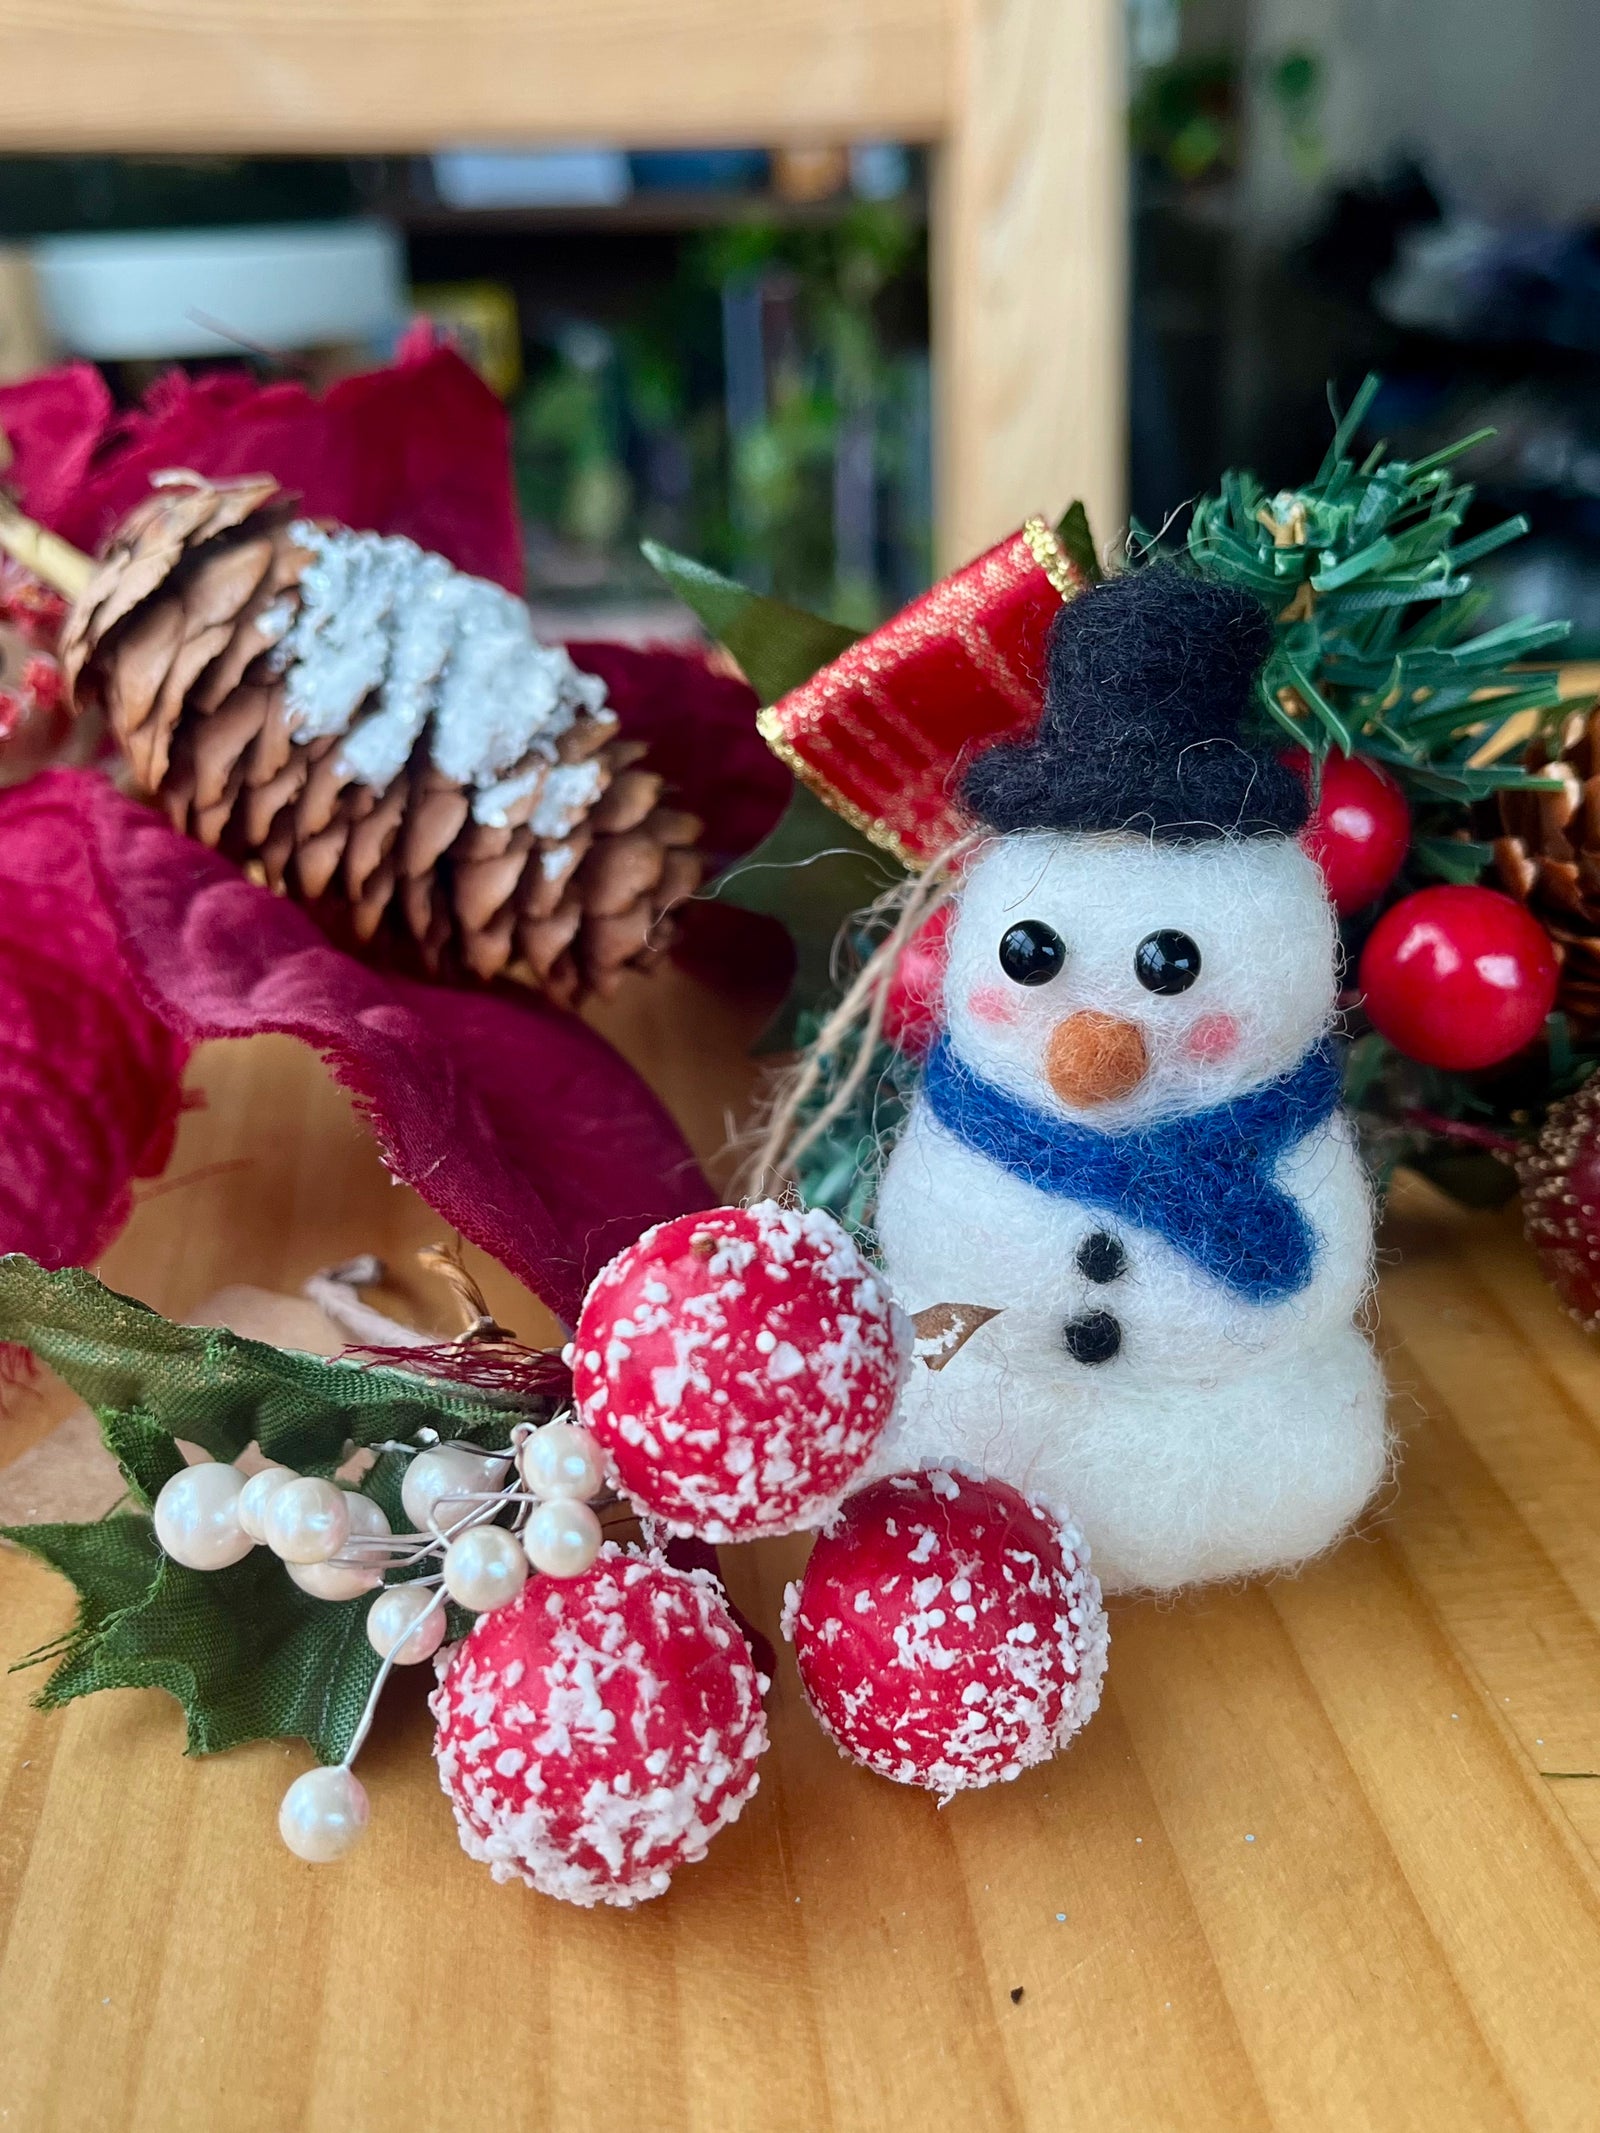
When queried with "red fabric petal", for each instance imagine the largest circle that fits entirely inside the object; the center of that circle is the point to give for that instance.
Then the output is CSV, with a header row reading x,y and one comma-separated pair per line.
x,y
511,1118
53,425
701,727
420,447
89,1077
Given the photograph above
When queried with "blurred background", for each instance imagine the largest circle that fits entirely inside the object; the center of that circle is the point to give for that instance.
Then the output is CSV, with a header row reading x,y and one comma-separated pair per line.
x,y
728,350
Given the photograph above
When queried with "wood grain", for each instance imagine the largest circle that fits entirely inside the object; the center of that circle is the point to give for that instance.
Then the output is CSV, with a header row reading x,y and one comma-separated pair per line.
x,y
341,76
1321,1861
1030,276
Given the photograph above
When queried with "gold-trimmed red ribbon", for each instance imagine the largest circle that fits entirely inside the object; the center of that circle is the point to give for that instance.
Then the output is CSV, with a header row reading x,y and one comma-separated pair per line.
x,y
882,732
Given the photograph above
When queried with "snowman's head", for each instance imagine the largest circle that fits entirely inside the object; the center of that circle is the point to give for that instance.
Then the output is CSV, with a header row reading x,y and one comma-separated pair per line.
x,y
1117,980
1144,936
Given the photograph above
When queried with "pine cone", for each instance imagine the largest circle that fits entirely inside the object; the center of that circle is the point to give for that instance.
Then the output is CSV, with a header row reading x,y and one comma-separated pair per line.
x,y
1549,855
372,732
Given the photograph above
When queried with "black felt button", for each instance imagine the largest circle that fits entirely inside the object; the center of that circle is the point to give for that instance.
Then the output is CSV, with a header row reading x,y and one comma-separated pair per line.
x,y
1092,1339
1101,1257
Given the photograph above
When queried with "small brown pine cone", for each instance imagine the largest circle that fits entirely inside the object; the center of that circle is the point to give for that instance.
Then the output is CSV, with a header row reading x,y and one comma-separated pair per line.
x,y
1548,854
179,640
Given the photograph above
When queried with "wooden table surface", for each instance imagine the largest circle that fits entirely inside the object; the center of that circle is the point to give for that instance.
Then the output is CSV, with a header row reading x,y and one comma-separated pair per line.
x,y
1326,1858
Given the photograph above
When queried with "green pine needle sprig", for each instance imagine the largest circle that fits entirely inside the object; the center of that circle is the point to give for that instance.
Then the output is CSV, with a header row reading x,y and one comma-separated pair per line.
x,y
840,1170
1379,648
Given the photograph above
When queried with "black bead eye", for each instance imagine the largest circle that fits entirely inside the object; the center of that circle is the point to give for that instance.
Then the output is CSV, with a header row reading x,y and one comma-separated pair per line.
x,y
1032,952
1166,961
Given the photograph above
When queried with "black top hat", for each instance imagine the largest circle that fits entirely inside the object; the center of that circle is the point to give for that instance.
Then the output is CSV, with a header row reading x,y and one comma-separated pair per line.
x,y
1151,677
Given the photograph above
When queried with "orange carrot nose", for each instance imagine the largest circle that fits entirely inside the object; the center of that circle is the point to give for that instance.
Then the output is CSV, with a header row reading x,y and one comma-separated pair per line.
x,y
1093,1058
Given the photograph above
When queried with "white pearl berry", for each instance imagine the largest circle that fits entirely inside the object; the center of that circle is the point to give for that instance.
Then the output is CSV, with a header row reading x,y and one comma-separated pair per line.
x,y
257,1493
197,1517
484,1568
307,1521
392,1624
562,1459
323,1815
449,1470
562,1538
347,1580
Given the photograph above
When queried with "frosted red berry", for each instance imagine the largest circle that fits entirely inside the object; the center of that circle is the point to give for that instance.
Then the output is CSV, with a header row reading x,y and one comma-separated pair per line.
x,y
1458,977
1560,1176
913,1009
594,1735
949,1632
739,1368
1359,831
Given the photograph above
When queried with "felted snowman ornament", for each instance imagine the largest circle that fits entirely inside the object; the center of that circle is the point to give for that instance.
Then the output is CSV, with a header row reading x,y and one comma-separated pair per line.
x,y
1127,1142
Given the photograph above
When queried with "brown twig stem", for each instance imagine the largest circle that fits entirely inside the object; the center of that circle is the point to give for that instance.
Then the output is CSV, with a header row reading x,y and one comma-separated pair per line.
x,y
67,570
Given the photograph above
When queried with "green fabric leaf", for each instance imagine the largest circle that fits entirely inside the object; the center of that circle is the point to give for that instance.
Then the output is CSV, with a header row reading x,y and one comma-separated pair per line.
x,y
245,1651
778,646
216,1389
111,1563
146,1453
1457,859
1074,535
814,872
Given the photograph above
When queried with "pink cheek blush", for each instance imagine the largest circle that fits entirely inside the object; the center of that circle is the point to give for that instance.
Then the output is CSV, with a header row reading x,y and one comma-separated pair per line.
x,y
991,1004
1213,1039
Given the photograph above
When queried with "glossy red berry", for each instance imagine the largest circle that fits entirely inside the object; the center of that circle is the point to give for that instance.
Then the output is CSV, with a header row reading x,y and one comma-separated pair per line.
x,y
1458,976
1360,829
913,1009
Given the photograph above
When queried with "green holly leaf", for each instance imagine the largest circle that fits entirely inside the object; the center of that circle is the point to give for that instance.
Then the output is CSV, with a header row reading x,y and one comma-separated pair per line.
x,y
110,1562
216,1389
245,1651
778,646
147,1454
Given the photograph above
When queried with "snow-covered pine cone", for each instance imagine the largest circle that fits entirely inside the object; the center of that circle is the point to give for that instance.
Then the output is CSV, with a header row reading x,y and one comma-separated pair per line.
x,y
1549,855
379,736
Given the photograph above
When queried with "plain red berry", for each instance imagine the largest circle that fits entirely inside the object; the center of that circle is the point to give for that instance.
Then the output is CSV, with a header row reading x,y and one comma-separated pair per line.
x,y
596,1733
1458,976
1359,831
913,1008
949,1632
739,1367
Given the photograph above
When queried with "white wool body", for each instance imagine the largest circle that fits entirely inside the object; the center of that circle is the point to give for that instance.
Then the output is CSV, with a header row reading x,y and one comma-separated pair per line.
x,y
1225,1436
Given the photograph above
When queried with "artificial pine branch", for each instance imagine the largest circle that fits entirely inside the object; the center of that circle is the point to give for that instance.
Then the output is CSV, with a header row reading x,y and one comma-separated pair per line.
x,y
1377,611
840,1170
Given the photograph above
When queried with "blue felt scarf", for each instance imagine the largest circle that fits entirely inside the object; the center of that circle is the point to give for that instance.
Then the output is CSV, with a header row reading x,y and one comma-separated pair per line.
x,y
1205,1182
